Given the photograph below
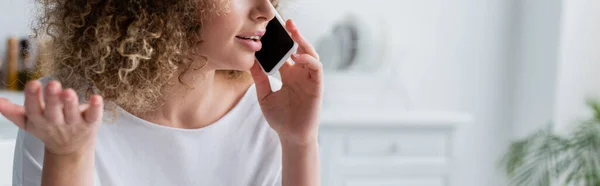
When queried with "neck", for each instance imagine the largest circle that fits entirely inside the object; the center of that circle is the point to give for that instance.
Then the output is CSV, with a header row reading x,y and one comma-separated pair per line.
x,y
208,96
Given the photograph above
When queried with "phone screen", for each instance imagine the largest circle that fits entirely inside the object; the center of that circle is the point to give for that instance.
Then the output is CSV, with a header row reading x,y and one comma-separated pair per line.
x,y
276,43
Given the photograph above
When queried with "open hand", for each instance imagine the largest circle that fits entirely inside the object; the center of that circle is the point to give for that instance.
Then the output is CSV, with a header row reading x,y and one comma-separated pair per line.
x,y
58,120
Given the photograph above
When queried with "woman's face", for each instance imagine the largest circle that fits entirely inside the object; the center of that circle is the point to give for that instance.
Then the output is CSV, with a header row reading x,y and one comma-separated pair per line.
x,y
231,38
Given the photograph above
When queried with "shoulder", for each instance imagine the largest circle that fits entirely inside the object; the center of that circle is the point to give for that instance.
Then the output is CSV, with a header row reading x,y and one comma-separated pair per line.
x,y
45,80
251,103
251,119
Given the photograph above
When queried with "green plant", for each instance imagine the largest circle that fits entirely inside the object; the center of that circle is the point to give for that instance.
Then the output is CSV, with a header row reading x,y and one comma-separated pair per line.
x,y
546,158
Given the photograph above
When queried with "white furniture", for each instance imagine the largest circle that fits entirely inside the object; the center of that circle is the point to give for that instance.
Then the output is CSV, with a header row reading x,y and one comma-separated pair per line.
x,y
375,147
8,134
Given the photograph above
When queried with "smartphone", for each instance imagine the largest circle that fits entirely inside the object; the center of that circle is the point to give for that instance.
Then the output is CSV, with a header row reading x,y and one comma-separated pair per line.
x,y
277,46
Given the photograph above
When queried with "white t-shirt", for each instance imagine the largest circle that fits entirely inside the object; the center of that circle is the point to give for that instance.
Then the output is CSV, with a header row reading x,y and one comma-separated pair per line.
x,y
240,149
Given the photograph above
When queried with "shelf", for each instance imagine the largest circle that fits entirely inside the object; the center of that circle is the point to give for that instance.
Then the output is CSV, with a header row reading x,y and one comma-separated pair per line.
x,y
391,117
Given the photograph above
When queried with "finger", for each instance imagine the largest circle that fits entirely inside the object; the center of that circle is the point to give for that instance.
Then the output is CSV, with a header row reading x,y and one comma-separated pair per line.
x,y
13,112
83,107
261,81
93,114
315,66
33,102
285,67
71,111
54,106
284,70
303,44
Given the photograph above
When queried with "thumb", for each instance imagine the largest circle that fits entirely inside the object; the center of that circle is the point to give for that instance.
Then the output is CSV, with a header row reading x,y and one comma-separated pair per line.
x,y
261,80
13,112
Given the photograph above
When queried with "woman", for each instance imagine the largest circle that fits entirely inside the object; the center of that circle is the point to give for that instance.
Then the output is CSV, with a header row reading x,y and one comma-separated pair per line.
x,y
157,92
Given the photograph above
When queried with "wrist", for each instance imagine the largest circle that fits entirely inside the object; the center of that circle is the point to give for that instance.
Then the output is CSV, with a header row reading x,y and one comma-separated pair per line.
x,y
300,162
293,138
87,148
73,157
73,168
295,142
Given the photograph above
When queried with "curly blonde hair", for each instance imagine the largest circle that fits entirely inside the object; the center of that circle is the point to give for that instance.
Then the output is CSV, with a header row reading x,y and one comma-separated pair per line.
x,y
124,50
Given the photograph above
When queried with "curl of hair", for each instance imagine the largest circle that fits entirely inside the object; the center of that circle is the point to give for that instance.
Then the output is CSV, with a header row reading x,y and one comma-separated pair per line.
x,y
123,50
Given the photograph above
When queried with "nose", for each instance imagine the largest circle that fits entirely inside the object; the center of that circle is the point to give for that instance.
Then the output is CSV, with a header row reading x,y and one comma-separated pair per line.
x,y
263,11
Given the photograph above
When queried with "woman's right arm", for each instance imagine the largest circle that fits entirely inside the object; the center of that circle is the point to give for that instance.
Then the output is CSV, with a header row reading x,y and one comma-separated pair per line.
x,y
66,128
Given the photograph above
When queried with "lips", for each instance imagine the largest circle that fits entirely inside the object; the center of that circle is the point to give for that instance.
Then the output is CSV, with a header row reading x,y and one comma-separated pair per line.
x,y
252,45
251,40
256,35
254,38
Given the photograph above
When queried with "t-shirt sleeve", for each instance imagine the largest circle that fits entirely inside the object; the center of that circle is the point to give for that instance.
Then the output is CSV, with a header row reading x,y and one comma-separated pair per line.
x,y
28,160
278,180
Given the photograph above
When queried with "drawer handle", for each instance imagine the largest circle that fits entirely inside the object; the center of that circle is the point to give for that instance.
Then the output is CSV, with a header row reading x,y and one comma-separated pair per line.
x,y
395,149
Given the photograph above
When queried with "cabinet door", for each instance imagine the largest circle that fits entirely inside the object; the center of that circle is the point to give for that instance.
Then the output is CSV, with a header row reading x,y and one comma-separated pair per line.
x,y
433,144
374,181
385,146
385,157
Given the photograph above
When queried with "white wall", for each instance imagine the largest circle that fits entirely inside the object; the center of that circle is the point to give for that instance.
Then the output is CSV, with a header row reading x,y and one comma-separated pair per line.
x,y
579,61
453,55
14,20
535,69
473,64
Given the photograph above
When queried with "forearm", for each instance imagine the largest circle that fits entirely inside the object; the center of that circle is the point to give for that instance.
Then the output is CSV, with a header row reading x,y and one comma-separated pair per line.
x,y
74,169
300,164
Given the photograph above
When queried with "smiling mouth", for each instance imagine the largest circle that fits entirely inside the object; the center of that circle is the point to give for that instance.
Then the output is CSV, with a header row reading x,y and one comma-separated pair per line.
x,y
253,38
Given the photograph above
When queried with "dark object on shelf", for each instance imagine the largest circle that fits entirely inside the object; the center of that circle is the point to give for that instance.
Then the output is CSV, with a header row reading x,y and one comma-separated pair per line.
x,y
26,65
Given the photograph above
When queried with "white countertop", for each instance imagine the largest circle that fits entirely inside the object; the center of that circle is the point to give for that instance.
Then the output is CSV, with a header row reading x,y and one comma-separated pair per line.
x,y
364,117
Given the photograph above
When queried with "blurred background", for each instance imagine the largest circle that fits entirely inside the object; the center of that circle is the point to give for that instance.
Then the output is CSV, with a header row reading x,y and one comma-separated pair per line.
x,y
419,92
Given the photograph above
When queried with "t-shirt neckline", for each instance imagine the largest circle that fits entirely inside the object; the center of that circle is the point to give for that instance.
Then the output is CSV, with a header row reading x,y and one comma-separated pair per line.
x,y
123,114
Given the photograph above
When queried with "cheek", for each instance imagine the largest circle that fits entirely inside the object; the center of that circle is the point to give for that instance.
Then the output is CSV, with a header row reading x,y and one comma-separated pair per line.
x,y
225,52
221,46
221,30
217,32
216,36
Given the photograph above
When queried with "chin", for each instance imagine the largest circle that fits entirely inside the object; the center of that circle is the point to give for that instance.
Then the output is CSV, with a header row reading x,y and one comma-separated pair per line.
x,y
248,62
243,63
244,66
